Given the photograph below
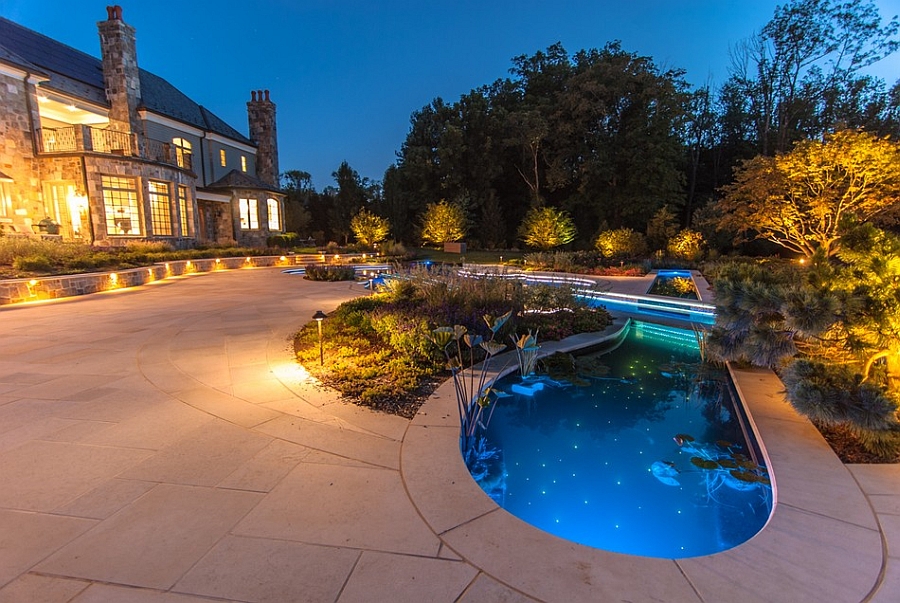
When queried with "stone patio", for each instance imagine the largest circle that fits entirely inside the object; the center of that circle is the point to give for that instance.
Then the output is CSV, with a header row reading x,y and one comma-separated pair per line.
x,y
159,445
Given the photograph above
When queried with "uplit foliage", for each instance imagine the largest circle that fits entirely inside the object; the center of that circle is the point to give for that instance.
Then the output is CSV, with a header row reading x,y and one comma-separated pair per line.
x,y
834,329
547,227
443,222
686,245
621,243
369,229
377,350
807,199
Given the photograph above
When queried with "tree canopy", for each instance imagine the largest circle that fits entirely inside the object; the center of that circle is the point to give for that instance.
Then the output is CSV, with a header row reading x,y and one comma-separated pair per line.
x,y
443,223
546,227
805,200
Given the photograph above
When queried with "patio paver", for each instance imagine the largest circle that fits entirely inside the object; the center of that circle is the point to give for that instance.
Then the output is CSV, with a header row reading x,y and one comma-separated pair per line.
x,y
159,445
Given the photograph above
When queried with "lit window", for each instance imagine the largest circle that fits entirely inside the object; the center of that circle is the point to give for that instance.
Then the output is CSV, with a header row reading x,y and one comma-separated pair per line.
x,y
182,153
160,208
5,199
222,157
120,201
185,211
243,163
249,214
274,220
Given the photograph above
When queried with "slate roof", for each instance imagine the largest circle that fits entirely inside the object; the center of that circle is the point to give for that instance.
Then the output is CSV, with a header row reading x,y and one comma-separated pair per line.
x,y
237,179
79,74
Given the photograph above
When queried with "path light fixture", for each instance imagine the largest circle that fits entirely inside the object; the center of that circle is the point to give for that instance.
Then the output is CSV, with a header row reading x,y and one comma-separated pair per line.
x,y
319,315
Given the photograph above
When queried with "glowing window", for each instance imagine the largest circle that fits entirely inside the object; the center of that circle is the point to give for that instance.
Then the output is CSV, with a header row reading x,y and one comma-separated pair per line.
x,y
5,199
274,218
243,163
120,201
222,161
185,211
182,153
160,208
249,214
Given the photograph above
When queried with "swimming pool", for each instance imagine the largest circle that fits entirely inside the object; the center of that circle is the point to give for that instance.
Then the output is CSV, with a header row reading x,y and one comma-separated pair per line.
x,y
647,459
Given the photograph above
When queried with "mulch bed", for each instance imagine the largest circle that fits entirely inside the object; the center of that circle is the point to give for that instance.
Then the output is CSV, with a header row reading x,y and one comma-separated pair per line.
x,y
848,448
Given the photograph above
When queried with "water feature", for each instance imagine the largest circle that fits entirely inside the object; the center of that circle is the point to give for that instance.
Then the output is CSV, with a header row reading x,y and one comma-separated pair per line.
x,y
674,283
641,451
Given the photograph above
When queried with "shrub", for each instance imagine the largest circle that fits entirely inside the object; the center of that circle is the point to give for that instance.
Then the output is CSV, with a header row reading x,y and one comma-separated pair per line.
x,y
393,249
622,243
324,272
33,263
283,241
686,245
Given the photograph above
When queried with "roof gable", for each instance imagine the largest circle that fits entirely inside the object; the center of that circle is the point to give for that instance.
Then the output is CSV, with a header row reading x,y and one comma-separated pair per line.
x,y
79,74
238,179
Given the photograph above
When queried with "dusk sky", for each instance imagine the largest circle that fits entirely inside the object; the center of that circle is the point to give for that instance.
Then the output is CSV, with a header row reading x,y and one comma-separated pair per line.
x,y
346,76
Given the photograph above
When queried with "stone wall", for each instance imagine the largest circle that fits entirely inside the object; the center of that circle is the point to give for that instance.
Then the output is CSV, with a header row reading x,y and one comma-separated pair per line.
x,y
17,156
15,291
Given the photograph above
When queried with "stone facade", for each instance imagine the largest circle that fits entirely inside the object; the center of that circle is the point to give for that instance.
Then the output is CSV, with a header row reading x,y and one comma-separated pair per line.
x,y
215,223
17,153
54,169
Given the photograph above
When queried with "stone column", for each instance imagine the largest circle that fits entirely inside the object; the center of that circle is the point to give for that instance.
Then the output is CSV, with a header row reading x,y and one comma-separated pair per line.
x,y
261,115
120,71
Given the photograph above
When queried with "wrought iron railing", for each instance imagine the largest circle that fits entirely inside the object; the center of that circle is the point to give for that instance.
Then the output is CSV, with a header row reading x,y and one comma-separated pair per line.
x,y
82,138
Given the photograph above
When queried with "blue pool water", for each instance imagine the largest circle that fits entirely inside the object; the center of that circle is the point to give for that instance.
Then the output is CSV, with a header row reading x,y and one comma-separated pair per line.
x,y
608,463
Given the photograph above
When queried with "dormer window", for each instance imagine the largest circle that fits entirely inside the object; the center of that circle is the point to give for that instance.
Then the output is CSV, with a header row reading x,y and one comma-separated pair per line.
x,y
182,153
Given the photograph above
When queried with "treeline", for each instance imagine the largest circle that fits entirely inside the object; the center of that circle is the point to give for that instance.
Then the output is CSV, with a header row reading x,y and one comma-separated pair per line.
x,y
611,138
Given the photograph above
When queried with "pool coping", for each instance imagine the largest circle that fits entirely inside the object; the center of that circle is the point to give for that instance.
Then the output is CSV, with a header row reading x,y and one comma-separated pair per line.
x,y
822,541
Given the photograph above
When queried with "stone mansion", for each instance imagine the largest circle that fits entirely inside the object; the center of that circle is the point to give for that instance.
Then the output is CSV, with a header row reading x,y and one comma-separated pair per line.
x,y
103,152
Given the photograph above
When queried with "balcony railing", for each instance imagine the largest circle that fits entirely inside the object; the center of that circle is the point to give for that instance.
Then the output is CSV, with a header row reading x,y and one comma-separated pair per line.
x,y
81,138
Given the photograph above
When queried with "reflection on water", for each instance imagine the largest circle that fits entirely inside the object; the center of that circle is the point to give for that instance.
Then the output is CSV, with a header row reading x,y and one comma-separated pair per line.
x,y
610,462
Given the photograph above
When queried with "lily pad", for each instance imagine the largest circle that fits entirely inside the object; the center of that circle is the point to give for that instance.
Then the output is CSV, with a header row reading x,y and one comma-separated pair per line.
x,y
704,463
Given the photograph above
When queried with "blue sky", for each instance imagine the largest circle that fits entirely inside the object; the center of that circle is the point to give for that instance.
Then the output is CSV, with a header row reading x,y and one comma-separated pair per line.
x,y
347,75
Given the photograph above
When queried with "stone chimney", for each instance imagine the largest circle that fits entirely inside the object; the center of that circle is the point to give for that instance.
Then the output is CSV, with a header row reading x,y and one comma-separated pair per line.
x,y
261,114
120,71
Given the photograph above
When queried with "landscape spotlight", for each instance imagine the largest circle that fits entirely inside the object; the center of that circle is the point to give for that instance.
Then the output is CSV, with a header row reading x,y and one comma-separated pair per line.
x,y
319,315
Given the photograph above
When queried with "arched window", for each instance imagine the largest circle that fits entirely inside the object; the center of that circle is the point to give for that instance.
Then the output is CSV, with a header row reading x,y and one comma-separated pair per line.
x,y
274,218
182,153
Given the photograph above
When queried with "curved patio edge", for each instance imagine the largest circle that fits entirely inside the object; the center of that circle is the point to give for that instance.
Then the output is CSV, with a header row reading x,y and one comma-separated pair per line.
x,y
822,542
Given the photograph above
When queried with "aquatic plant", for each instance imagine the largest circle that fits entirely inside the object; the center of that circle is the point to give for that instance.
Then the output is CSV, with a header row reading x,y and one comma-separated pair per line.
x,y
720,464
485,464
475,402
527,349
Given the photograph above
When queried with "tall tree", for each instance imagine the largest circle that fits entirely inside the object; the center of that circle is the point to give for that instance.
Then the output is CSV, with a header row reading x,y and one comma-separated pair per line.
x,y
351,196
547,227
297,186
443,222
801,74
806,200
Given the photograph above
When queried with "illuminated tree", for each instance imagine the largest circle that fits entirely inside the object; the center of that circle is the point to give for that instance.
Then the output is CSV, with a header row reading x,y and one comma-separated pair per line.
x,y
807,199
443,222
369,228
546,228
621,243
833,330
686,245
